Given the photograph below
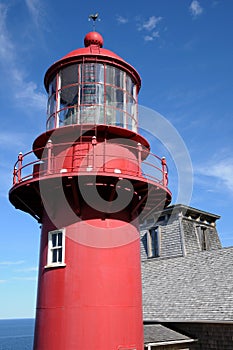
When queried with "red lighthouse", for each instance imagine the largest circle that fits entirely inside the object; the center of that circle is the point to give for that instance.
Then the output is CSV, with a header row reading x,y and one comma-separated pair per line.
x,y
89,182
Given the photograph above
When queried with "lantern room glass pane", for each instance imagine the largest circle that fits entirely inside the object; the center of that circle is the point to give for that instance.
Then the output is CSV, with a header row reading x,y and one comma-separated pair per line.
x,y
92,72
114,76
88,94
68,96
52,104
119,78
51,122
68,116
91,94
129,85
99,73
69,75
52,86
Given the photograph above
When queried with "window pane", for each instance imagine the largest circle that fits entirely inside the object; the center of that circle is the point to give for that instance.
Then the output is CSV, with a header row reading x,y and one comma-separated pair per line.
x,y
130,105
88,114
52,86
59,253
119,118
110,75
68,96
88,72
69,116
119,98
129,122
92,94
88,94
129,85
119,80
52,105
54,239
54,256
99,73
115,76
51,122
59,239
110,96
69,75
99,94
110,115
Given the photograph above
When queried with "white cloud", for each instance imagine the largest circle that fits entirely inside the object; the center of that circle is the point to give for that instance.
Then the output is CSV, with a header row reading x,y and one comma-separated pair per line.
x,y
148,27
25,278
2,281
148,38
122,20
152,36
6,47
28,269
151,23
34,10
220,170
30,93
195,8
10,263
24,91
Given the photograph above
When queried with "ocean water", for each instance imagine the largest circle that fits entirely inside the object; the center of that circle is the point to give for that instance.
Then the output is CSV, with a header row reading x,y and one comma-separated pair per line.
x,y
16,334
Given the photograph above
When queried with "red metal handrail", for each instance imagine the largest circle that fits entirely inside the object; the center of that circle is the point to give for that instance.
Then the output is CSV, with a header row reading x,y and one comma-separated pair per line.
x,y
149,169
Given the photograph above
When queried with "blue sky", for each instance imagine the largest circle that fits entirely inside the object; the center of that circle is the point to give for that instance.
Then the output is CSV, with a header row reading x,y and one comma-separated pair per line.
x,y
183,52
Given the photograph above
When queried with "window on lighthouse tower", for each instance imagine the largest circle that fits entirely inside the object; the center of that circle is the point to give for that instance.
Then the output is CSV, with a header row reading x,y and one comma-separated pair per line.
x,y
56,248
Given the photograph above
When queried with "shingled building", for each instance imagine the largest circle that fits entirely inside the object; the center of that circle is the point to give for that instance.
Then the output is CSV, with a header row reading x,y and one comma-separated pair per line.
x,y
187,282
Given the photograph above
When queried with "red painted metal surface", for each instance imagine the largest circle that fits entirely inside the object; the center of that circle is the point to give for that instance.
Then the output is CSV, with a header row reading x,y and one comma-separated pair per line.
x,y
95,300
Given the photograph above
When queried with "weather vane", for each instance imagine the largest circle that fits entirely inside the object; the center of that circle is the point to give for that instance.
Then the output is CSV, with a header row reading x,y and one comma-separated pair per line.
x,y
94,18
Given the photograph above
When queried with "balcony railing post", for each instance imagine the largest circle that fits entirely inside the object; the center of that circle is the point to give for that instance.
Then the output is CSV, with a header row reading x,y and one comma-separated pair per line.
x,y
164,171
20,164
139,159
93,142
15,176
49,148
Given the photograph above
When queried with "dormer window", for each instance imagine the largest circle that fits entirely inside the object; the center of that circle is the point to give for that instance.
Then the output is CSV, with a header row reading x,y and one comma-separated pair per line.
x,y
203,237
154,242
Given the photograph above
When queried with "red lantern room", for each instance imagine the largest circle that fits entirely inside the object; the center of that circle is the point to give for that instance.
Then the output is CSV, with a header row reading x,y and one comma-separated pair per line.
x,y
92,86
89,188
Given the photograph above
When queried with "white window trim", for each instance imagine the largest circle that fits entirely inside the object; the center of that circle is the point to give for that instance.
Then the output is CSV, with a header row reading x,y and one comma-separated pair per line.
x,y
49,251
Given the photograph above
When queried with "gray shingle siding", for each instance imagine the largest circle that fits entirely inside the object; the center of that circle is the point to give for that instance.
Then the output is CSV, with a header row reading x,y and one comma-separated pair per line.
x,y
195,287
171,239
190,237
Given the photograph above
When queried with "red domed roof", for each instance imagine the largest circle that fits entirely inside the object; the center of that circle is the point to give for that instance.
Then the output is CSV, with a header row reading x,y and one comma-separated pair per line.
x,y
93,49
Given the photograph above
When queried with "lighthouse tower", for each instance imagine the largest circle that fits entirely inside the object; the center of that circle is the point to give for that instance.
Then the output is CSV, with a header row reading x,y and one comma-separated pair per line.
x,y
89,181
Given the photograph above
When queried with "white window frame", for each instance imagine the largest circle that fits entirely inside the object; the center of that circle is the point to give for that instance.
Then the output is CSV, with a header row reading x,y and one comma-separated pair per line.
x,y
50,262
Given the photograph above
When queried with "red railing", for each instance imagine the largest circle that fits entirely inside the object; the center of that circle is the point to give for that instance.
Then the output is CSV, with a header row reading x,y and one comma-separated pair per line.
x,y
61,158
